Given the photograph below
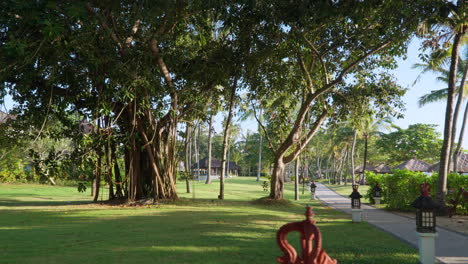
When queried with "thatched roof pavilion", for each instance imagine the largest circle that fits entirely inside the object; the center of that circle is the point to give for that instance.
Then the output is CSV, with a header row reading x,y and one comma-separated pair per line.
x,y
414,165
382,168
461,168
359,169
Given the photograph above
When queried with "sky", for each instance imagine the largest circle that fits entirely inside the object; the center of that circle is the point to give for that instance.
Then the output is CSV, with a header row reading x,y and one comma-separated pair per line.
x,y
405,75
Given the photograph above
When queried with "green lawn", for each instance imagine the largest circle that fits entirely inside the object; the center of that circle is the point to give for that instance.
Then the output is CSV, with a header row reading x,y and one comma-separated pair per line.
x,y
44,224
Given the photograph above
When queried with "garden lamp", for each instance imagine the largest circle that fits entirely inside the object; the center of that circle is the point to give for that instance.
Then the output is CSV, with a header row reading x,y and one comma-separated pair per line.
x,y
355,198
312,190
425,211
312,187
377,191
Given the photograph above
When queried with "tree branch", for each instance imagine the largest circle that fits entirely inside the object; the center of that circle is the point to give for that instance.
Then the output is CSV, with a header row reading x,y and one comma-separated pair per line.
x,y
270,144
310,84
135,27
303,143
319,56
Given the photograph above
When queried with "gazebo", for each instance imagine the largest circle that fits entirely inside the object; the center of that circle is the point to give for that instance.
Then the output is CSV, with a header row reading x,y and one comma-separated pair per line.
x,y
462,166
383,168
414,165
359,169
232,167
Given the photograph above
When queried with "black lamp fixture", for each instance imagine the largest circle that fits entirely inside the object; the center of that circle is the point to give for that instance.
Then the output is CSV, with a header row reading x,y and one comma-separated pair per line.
x,y
425,211
312,187
355,198
377,191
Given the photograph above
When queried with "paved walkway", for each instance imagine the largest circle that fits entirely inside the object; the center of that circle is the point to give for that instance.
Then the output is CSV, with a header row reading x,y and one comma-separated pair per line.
x,y
451,247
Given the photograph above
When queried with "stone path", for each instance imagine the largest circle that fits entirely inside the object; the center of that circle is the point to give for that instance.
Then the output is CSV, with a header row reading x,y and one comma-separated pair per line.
x,y
451,247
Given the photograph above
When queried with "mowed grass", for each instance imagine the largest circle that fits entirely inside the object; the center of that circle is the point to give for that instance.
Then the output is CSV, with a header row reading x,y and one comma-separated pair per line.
x,y
45,224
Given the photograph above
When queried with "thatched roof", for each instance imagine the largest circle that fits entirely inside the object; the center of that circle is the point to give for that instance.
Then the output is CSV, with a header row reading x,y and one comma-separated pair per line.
x,y
215,164
414,165
382,168
359,169
461,168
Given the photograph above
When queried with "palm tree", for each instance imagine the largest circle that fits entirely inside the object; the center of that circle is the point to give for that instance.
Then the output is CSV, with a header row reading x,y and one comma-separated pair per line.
x,y
366,127
437,66
450,29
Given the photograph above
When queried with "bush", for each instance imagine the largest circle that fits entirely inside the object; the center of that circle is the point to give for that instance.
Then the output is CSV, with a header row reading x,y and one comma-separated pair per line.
x,y
401,188
15,174
372,179
454,183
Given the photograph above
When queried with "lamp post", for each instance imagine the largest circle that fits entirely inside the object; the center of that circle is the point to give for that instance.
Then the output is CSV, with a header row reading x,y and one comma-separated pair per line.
x,y
356,211
312,190
426,224
377,194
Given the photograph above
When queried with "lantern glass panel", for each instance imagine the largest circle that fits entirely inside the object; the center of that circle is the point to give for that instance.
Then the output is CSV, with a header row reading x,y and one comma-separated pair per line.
x,y
425,220
355,203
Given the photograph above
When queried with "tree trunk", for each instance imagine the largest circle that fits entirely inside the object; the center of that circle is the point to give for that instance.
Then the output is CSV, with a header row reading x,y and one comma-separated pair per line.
x,y
210,127
296,180
445,153
455,119
306,168
98,165
343,160
363,177
197,148
295,138
276,188
109,171
347,165
352,157
118,178
334,168
458,151
188,154
259,171
226,138
228,160
108,159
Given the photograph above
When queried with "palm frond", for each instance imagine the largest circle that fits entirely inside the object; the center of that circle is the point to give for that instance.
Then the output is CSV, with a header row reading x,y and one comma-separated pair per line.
x,y
433,96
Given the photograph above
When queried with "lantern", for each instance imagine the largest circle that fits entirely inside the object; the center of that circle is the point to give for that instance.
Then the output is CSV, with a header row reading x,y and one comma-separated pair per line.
x,y
377,191
425,211
312,187
355,198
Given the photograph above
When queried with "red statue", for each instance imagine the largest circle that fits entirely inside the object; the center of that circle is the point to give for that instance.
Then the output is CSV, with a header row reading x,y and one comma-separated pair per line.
x,y
311,243
425,189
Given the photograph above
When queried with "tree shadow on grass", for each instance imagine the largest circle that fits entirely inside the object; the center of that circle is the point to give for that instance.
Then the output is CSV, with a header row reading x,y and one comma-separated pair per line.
x,y
11,202
218,235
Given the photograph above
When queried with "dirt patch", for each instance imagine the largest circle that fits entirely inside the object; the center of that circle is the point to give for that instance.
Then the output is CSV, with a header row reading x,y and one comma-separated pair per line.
x,y
272,202
458,223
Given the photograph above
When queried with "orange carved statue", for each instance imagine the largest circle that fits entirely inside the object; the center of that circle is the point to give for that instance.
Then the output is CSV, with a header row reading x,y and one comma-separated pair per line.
x,y
311,243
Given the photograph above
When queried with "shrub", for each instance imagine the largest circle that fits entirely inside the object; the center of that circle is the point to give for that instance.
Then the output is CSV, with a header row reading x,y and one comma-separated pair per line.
x,y
14,173
454,183
402,187
372,179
